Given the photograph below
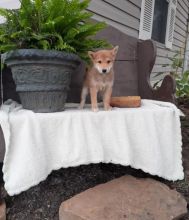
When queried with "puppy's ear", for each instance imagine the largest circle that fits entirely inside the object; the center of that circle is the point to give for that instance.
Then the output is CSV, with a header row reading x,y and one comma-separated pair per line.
x,y
115,50
91,55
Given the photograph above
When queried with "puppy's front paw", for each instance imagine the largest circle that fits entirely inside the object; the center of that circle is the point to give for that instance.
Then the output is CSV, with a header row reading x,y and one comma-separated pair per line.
x,y
80,107
107,108
95,109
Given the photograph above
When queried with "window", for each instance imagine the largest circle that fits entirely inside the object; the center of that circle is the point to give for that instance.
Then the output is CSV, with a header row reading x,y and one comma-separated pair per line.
x,y
157,21
160,20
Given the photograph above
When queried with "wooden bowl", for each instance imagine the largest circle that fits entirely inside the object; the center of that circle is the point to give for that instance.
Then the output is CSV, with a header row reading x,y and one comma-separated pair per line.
x,y
126,101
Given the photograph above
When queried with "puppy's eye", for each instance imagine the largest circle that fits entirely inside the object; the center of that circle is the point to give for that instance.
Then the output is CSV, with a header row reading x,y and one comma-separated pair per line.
x,y
108,61
99,61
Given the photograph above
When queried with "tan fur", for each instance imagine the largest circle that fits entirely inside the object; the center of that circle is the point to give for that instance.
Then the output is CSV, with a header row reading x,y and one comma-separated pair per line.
x,y
100,77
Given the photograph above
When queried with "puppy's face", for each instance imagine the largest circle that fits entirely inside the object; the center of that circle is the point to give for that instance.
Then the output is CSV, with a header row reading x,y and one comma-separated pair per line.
x,y
103,60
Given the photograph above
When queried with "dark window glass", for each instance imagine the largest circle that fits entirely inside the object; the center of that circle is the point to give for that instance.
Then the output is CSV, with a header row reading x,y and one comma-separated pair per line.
x,y
160,20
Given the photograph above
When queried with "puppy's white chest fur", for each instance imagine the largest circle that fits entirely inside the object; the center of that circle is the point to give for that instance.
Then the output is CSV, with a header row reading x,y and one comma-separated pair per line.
x,y
102,86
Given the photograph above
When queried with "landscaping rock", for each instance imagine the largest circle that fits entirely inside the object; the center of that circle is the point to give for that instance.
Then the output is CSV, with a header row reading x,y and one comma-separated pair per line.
x,y
125,198
2,210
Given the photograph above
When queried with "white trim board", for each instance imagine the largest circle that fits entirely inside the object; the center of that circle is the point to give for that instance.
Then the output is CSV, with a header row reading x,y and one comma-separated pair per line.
x,y
9,4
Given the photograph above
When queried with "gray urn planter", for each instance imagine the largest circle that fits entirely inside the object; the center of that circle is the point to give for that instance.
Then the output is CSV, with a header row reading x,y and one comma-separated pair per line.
x,y
42,77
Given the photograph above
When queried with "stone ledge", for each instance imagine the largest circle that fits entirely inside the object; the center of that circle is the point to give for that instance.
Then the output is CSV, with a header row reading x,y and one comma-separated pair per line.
x,y
125,198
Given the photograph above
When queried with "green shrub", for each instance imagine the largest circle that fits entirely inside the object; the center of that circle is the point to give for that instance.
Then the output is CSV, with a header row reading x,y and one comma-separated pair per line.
x,y
62,25
182,79
182,85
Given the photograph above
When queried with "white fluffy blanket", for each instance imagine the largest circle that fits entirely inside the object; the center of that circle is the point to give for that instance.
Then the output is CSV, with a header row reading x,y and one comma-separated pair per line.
x,y
147,138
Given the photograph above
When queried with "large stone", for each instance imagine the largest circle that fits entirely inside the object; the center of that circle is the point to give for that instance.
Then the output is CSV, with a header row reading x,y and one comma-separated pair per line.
x,y
2,210
125,198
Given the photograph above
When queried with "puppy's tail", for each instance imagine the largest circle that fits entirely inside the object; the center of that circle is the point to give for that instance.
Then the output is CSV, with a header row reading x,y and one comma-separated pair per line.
x,y
84,93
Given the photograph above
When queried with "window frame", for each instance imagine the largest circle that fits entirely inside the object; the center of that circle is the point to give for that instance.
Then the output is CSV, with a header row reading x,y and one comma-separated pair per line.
x,y
146,21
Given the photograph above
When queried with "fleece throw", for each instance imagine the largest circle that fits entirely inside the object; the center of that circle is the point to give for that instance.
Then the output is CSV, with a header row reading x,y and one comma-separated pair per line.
x,y
147,138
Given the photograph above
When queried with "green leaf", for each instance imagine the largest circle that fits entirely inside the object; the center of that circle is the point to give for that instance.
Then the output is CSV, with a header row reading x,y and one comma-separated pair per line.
x,y
38,5
4,12
185,76
7,47
45,44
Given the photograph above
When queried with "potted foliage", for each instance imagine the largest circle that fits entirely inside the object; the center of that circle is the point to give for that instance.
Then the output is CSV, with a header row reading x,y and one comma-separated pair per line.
x,y
43,42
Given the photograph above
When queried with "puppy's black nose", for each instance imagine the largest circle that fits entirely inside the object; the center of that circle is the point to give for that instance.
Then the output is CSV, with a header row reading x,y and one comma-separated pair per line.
x,y
104,70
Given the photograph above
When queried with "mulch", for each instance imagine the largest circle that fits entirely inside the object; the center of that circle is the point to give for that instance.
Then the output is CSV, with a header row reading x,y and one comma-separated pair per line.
x,y
43,201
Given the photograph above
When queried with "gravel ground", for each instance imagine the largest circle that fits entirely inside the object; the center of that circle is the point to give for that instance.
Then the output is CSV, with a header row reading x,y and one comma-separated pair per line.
x,y
43,201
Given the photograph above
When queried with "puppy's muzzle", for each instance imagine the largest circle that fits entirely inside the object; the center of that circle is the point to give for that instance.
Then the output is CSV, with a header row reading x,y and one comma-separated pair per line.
x,y
104,70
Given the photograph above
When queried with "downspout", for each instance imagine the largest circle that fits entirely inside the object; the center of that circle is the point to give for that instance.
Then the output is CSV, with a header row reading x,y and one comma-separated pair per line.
x,y
186,53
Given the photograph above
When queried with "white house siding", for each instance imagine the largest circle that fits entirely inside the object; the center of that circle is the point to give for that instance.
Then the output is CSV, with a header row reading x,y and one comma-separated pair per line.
x,y
122,14
9,3
125,15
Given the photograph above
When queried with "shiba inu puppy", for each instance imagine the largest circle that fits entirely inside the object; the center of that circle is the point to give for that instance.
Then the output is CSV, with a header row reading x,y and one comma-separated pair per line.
x,y
99,78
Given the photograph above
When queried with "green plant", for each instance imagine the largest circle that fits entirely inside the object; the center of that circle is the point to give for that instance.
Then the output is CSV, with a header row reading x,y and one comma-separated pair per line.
x,y
62,25
177,62
182,85
182,79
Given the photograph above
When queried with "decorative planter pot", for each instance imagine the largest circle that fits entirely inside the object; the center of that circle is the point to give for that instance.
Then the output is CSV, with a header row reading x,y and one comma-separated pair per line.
x,y
42,77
